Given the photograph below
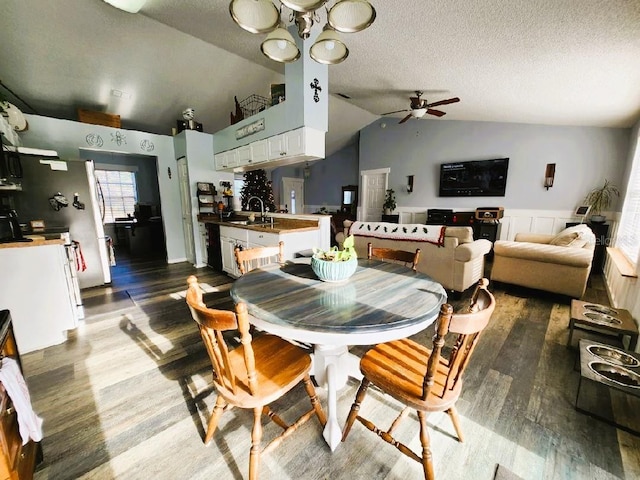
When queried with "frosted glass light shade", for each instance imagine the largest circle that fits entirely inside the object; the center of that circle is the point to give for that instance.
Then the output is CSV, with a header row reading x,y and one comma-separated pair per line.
x,y
255,16
280,46
131,6
303,5
328,48
350,16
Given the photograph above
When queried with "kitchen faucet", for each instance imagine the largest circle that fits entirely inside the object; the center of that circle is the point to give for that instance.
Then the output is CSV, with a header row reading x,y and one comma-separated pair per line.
x,y
261,206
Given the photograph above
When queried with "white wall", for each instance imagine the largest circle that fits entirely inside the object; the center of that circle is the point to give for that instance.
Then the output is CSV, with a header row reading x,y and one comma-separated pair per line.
x,y
67,137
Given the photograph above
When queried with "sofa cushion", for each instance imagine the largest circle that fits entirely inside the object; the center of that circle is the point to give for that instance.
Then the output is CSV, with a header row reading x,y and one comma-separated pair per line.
x,y
540,252
463,234
577,236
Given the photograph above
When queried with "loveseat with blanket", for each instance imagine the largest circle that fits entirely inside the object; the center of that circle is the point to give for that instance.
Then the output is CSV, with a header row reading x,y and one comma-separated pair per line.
x,y
554,263
449,255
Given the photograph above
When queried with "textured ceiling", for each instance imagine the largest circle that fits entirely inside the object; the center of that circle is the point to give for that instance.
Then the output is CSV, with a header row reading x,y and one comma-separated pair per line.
x,y
564,62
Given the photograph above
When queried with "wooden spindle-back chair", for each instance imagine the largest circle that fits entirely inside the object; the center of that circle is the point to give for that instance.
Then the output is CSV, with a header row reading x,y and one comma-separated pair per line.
x,y
251,258
409,258
421,378
253,375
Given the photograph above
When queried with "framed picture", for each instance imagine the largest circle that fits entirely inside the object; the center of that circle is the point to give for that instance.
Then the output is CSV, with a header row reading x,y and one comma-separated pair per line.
x,y
37,225
582,210
277,93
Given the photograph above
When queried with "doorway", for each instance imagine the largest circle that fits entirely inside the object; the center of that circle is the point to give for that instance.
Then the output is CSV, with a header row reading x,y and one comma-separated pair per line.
x,y
128,199
374,185
292,198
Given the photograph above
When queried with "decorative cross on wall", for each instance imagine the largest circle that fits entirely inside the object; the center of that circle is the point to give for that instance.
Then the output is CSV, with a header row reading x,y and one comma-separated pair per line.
x,y
315,85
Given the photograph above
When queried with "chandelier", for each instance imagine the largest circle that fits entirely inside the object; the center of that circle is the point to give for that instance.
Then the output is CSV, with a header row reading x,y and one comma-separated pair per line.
x,y
262,16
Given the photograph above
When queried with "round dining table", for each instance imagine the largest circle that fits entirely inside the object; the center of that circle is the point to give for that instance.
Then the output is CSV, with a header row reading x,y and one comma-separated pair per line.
x,y
381,302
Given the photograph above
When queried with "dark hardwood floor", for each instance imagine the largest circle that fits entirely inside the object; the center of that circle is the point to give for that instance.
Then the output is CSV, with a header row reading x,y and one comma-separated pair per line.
x,y
128,397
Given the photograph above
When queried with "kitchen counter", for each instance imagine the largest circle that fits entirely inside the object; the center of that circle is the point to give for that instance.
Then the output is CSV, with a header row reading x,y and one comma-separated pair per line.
x,y
280,224
38,241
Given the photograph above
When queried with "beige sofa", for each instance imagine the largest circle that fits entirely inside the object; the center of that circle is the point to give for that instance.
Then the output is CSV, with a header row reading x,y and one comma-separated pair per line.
x,y
457,264
545,262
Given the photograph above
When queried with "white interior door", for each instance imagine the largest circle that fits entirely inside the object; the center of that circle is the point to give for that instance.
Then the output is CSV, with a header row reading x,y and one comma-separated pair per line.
x,y
185,202
374,185
292,194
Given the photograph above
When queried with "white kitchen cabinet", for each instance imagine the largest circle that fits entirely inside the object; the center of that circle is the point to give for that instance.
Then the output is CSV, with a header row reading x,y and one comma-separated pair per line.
x,y
243,156
225,160
259,151
229,238
294,146
253,153
263,239
37,294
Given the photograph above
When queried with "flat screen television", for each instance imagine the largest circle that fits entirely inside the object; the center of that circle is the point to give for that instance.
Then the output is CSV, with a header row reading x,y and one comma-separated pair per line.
x,y
475,178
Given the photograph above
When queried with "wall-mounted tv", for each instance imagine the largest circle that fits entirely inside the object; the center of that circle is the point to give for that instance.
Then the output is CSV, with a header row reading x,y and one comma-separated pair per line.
x,y
476,178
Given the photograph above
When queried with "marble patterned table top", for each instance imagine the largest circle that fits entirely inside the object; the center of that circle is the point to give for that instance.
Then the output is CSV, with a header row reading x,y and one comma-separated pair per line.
x,y
380,297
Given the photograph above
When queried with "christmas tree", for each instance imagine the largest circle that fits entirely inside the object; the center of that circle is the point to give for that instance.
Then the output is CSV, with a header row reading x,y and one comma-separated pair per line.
x,y
256,184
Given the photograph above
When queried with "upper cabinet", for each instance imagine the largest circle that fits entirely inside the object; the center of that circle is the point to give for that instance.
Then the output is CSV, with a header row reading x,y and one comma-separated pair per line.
x,y
294,146
226,160
256,152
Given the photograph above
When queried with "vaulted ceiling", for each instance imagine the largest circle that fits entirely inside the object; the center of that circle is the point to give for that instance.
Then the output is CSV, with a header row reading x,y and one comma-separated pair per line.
x,y
539,61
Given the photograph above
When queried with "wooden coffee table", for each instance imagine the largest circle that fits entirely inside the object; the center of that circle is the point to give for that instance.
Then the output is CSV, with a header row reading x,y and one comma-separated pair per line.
x,y
603,320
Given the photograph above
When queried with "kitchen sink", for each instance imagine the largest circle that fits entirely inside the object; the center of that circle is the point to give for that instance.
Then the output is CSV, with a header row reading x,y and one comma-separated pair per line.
x,y
616,374
613,355
253,224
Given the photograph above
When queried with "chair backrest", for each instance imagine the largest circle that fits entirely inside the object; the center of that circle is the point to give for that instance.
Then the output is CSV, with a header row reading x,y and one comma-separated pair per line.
x,y
212,323
256,257
468,325
391,254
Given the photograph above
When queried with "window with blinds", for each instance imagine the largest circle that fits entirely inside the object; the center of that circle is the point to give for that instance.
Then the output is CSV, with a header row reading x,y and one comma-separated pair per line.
x,y
119,192
628,237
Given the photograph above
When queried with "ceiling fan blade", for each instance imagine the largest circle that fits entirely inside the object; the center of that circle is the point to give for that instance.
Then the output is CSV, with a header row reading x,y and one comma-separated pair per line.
x,y
437,113
405,119
444,102
397,111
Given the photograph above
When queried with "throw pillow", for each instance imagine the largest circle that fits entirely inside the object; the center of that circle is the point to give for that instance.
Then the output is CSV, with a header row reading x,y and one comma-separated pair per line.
x,y
576,236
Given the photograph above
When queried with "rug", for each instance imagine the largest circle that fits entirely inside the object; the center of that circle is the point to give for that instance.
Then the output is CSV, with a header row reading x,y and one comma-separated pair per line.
x,y
503,473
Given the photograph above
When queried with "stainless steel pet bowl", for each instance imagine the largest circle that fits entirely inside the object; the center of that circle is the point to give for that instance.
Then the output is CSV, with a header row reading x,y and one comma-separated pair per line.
x,y
615,374
613,355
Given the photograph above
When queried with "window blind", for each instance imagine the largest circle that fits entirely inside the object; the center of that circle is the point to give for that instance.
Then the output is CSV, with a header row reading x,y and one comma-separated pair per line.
x,y
628,237
119,193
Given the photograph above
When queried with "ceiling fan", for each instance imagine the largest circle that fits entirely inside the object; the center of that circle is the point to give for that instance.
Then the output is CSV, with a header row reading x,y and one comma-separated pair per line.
x,y
419,107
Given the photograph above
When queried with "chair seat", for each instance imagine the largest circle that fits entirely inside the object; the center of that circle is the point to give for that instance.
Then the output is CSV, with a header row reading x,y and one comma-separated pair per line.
x,y
280,365
399,367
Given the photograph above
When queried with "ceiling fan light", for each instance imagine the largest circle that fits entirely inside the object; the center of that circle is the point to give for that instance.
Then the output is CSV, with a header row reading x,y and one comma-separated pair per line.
x,y
303,5
329,48
350,16
418,112
280,46
255,16
131,6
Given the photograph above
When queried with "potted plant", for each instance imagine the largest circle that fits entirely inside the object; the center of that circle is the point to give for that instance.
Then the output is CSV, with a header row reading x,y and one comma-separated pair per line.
x,y
389,204
335,265
600,199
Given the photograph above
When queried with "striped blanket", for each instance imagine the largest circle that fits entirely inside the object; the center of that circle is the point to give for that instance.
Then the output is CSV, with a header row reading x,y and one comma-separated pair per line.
x,y
413,232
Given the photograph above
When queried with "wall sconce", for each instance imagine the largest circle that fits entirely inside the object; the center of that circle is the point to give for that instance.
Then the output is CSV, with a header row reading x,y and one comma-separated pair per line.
x,y
549,174
409,183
